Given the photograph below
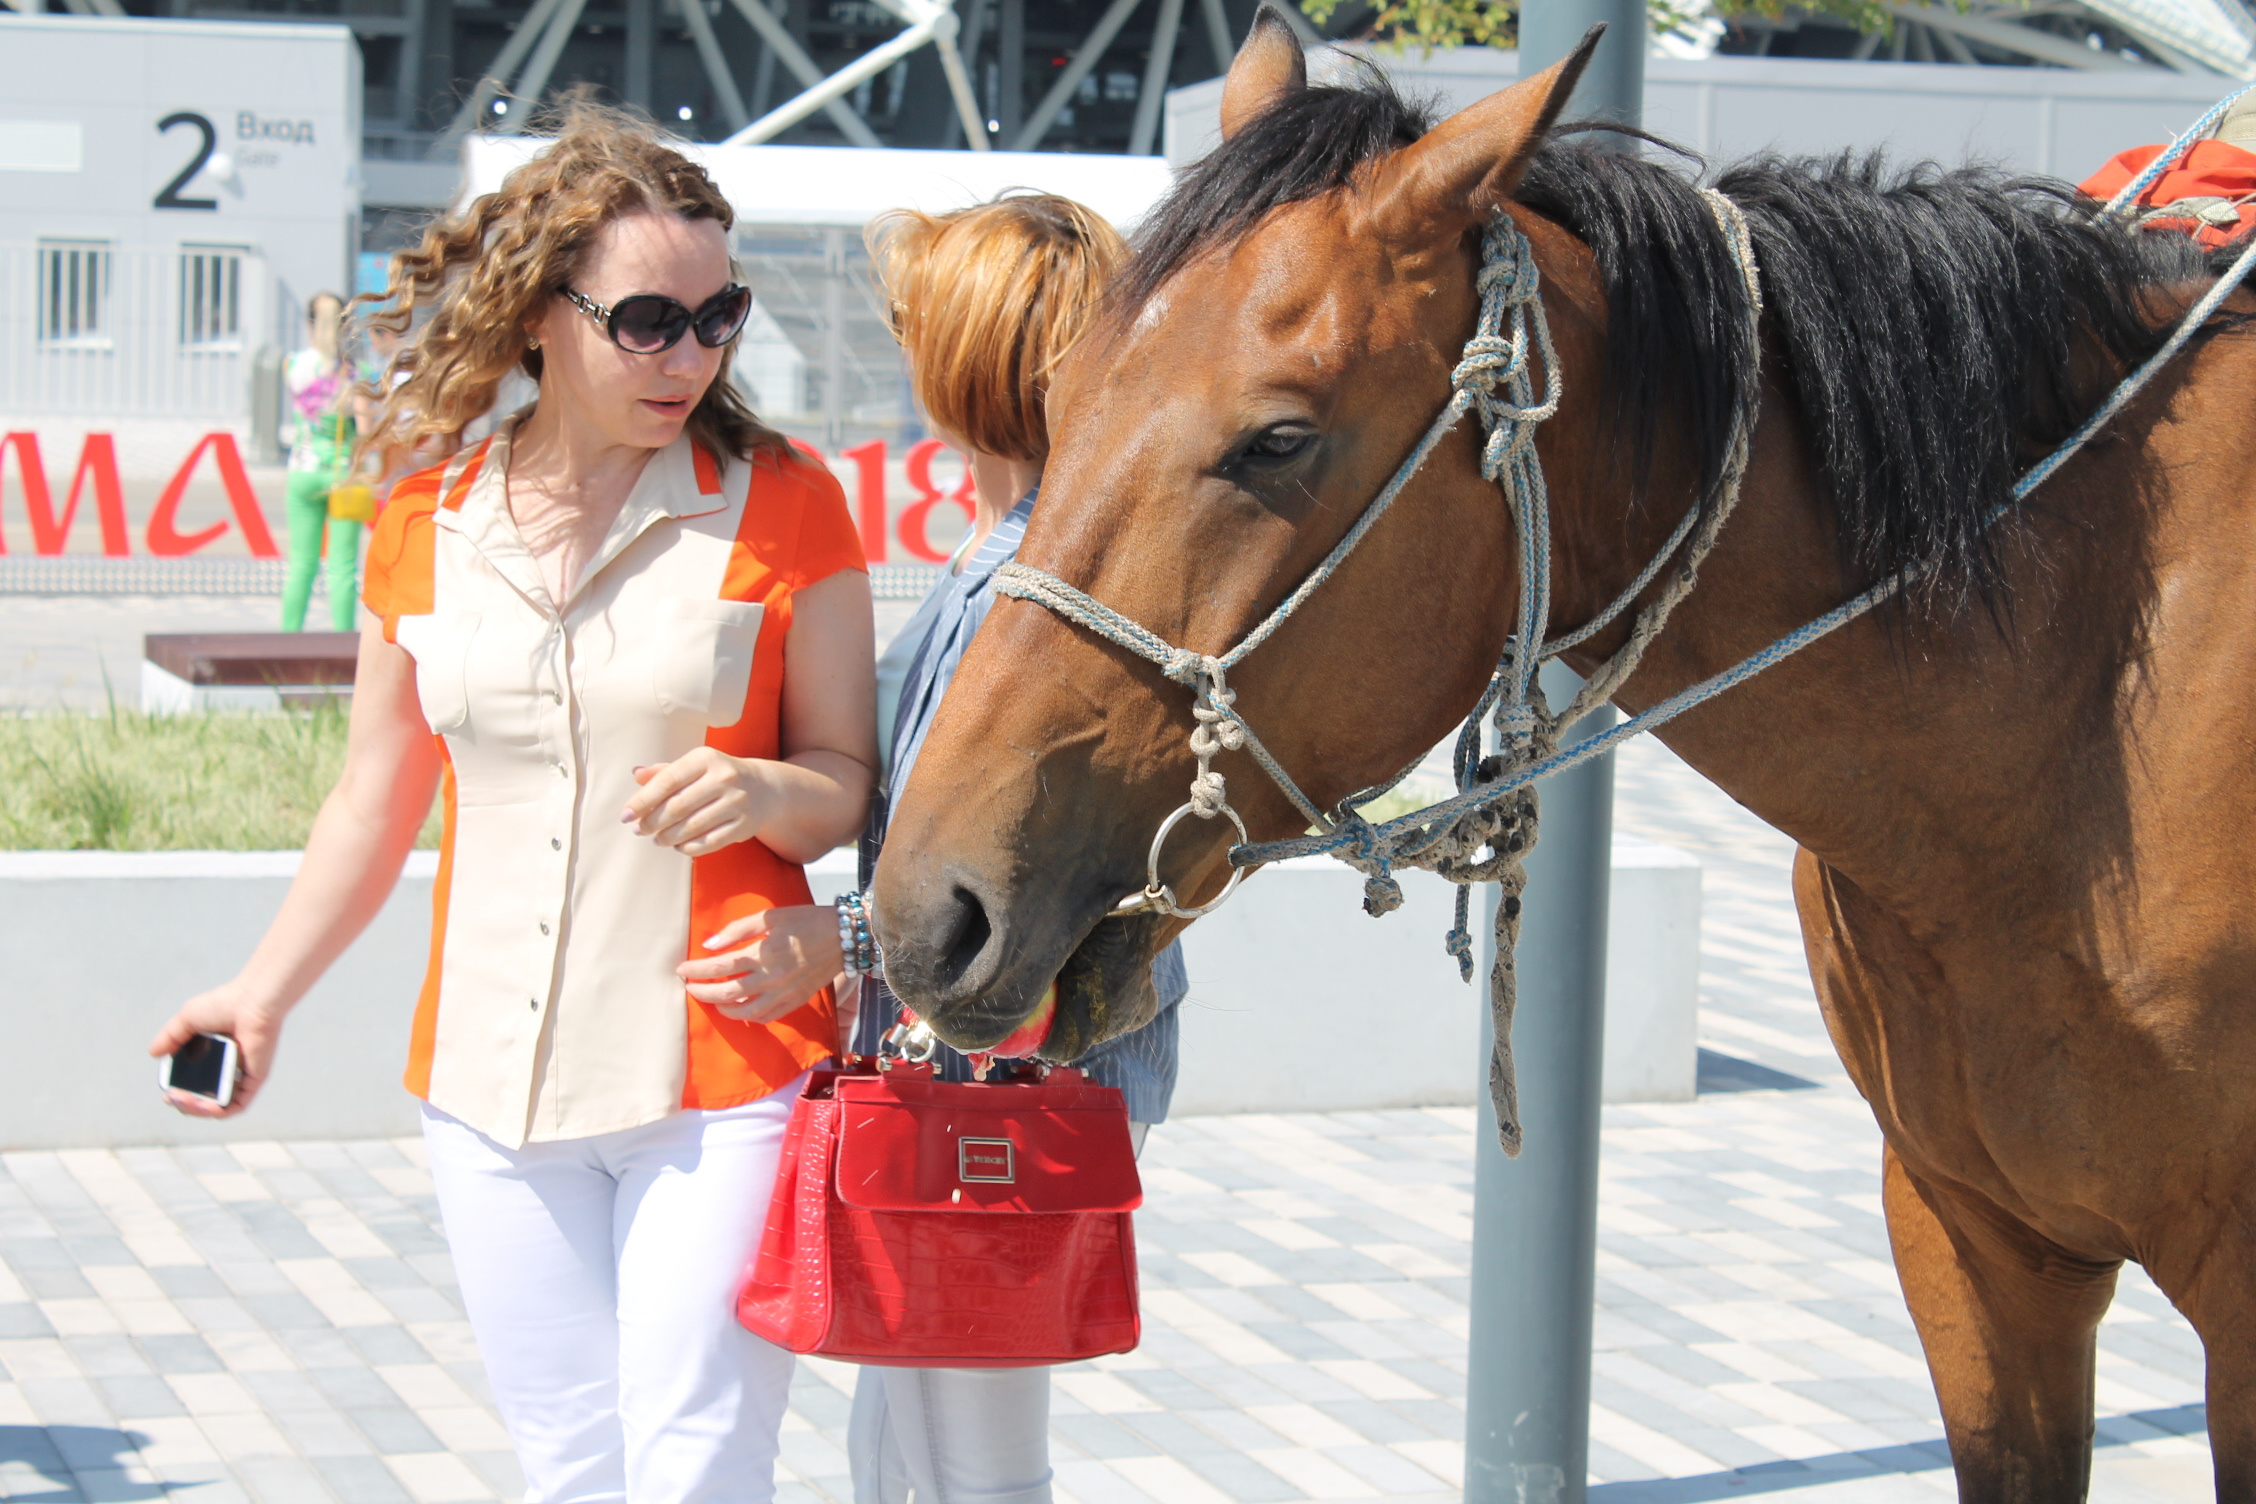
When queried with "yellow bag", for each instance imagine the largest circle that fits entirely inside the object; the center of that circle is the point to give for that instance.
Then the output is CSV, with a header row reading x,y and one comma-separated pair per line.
x,y
354,501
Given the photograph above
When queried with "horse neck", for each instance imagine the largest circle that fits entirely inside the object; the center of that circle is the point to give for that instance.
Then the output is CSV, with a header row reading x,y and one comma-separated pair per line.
x,y
1900,748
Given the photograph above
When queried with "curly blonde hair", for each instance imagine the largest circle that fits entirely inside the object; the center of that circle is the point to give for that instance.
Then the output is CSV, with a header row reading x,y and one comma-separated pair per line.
x,y
479,276
986,301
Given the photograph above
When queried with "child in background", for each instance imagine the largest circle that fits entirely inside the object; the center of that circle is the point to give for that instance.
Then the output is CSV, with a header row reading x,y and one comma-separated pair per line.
x,y
321,433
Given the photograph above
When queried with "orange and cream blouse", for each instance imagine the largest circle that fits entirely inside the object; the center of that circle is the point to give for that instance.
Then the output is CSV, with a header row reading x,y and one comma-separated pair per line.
x,y
551,1009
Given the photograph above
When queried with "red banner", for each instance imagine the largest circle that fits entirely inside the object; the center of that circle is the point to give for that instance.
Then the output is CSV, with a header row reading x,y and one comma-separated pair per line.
x,y
98,460
98,470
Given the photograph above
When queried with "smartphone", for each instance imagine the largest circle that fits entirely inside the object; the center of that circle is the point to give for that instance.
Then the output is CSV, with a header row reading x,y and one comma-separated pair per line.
x,y
203,1067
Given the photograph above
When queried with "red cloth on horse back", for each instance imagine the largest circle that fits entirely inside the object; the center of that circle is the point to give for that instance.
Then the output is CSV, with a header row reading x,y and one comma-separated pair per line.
x,y
2213,169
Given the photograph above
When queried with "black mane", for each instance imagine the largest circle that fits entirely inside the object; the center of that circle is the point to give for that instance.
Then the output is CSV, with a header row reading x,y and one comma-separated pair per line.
x,y
1938,331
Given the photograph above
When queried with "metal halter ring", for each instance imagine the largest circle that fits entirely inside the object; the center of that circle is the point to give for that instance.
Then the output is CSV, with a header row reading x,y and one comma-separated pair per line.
x,y
1160,896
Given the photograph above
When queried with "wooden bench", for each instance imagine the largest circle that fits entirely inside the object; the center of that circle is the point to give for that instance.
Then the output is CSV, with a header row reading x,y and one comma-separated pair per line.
x,y
189,671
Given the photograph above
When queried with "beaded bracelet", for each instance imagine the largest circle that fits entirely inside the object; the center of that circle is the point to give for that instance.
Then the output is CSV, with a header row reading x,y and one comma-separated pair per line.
x,y
847,959
857,943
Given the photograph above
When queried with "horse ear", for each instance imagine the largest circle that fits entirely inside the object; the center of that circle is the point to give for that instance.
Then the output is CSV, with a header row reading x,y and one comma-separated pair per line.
x,y
1268,67
1463,168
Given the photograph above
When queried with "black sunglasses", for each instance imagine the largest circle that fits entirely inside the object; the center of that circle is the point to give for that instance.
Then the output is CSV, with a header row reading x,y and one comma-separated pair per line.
x,y
650,322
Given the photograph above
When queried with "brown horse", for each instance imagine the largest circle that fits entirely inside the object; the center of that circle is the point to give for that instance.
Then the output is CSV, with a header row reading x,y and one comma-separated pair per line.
x,y
2023,799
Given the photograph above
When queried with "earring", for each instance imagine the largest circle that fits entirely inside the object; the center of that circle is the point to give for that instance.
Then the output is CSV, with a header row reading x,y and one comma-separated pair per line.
x,y
532,344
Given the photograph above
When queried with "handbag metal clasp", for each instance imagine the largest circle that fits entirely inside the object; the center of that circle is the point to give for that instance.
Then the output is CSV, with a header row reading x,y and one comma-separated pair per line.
x,y
910,1040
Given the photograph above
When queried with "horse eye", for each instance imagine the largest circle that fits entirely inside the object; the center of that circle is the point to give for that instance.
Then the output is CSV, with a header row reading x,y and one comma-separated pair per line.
x,y
1278,443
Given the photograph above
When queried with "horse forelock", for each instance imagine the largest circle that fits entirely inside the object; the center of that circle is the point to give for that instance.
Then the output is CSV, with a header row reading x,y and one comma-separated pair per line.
x,y
1313,141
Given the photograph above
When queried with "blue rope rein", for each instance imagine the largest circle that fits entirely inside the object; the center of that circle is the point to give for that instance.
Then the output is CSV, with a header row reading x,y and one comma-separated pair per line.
x,y
2126,198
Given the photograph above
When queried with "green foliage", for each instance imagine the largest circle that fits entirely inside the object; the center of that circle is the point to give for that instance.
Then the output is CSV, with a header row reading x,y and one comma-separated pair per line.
x,y
123,781
1431,24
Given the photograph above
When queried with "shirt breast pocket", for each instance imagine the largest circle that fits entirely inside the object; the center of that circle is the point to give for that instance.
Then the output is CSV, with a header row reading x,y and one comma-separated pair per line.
x,y
703,665
439,642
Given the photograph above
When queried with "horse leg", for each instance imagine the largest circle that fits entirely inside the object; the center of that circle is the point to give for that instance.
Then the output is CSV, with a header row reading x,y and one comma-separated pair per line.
x,y
2008,1321
2212,1279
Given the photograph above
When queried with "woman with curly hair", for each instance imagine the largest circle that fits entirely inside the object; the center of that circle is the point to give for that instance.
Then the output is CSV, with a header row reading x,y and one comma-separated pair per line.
x,y
627,638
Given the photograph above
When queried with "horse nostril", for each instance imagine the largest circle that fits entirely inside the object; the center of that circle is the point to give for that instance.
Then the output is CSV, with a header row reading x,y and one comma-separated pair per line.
x,y
973,931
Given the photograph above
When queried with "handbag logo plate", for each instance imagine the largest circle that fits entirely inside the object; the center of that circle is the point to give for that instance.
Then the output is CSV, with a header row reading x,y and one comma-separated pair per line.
x,y
992,1160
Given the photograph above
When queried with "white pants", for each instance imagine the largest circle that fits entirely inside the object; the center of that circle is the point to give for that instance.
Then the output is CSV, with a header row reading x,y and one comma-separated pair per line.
x,y
951,1436
600,1276
954,1435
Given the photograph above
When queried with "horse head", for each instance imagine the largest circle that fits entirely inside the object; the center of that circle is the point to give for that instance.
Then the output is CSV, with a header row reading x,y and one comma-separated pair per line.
x,y
1285,335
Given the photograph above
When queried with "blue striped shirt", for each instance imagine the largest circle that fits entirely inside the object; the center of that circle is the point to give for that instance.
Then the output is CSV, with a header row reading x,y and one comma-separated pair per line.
x,y
1142,1064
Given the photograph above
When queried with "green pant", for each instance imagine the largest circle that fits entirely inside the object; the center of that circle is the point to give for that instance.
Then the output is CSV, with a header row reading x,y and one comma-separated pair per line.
x,y
306,501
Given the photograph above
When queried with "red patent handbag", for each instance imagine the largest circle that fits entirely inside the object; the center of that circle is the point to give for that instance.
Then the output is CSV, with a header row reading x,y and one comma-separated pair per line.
x,y
926,1223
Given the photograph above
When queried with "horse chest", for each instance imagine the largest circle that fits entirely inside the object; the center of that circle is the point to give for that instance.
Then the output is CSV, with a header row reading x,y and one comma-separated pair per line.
x,y
2070,1097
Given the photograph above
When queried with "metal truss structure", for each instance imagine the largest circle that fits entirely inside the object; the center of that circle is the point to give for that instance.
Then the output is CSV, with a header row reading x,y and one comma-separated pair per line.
x,y
2180,36
1023,75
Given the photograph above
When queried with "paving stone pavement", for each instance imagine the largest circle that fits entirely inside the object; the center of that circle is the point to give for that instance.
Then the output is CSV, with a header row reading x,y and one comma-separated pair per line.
x,y
278,1323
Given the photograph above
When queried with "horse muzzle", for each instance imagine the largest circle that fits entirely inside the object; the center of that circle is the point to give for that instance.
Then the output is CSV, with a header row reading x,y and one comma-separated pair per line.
x,y
979,972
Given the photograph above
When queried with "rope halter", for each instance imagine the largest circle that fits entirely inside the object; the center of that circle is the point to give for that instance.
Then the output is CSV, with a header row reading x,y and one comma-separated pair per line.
x,y
1496,378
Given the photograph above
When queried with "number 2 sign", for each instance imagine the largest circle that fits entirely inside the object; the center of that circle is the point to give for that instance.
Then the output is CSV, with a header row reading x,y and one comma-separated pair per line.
x,y
168,197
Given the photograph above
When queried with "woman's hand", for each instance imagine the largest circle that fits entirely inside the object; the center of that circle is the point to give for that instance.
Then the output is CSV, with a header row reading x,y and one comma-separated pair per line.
x,y
703,801
352,859
229,1010
774,962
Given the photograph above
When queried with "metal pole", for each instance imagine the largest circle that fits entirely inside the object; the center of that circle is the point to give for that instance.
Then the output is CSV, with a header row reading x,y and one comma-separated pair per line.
x,y
716,63
974,21
834,339
534,84
831,90
642,28
1535,1218
787,50
1010,62
1086,56
1157,66
497,76
1613,86
960,90
1218,34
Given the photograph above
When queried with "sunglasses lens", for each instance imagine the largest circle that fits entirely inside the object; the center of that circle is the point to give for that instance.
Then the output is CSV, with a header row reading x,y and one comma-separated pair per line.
x,y
720,319
648,324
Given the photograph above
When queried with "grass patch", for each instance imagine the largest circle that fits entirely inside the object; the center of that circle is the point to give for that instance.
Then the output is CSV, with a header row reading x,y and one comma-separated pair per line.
x,y
124,781
1405,798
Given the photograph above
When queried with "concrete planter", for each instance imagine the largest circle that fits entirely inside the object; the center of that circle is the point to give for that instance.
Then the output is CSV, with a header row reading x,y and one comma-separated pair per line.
x,y
1298,1003
98,948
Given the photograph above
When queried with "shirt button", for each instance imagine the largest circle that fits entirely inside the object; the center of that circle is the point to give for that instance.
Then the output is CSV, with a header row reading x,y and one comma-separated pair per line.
x,y
562,771
554,844
533,1003
544,926
555,697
